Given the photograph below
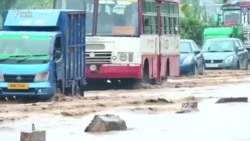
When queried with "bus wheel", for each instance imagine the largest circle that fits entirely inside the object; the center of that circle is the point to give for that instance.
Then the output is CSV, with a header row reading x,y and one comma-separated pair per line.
x,y
166,71
146,78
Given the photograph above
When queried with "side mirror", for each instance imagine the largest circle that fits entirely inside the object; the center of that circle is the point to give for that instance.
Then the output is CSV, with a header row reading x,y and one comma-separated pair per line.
x,y
216,16
219,19
197,52
236,49
57,55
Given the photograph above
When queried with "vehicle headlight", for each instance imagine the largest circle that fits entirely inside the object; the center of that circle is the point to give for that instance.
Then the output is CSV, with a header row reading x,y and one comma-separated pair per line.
x,y
123,56
188,60
42,76
1,77
114,57
229,59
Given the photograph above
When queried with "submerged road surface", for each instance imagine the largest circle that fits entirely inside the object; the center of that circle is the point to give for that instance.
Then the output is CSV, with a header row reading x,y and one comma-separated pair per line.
x,y
65,118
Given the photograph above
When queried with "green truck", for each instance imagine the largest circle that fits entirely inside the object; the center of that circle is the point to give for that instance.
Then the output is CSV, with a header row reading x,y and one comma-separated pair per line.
x,y
232,22
218,32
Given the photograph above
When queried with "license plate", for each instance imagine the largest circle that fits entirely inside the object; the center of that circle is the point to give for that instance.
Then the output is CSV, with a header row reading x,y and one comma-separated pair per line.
x,y
18,86
210,65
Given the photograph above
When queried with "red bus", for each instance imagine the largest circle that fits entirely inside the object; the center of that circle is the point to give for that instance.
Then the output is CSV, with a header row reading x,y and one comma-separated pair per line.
x,y
130,40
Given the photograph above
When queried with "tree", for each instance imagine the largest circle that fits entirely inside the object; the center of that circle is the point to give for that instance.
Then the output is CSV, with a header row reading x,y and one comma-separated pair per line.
x,y
194,21
5,5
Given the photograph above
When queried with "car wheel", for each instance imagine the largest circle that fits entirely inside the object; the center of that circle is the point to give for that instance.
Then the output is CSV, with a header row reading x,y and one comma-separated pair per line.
x,y
196,71
247,65
238,65
202,69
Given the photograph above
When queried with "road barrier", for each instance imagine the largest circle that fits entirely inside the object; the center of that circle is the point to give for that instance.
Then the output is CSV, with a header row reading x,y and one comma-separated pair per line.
x,y
188,107
232,99
33,135
106,123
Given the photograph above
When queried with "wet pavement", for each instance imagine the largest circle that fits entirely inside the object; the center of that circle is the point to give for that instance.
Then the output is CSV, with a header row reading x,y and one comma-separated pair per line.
x,y
213,122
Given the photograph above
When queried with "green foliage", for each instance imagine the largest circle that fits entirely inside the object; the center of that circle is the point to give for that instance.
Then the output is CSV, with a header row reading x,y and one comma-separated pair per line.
x,y
4,5
194,21
33,4
192,28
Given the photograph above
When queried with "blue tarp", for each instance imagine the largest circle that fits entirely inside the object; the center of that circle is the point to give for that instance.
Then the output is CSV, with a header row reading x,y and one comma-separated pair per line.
x,y
32,18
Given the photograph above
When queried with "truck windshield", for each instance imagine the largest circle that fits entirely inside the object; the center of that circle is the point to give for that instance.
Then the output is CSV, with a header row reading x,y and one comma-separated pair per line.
x,y
86,5
117,17
218,46
232,16
24,45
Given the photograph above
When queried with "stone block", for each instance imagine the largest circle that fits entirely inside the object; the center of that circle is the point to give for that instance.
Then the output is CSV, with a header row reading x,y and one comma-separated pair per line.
x,y
106,123
33,136
188,107
232,99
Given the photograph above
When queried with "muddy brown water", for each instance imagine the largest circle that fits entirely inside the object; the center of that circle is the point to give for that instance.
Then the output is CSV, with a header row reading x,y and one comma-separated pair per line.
x,y
66,118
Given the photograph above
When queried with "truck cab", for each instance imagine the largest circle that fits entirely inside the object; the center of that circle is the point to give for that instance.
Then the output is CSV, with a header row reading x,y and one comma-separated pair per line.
x,y
42,53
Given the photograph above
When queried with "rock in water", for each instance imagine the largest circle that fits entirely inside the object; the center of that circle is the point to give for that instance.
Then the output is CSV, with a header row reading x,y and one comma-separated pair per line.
x,y
232,99
106,123
188,107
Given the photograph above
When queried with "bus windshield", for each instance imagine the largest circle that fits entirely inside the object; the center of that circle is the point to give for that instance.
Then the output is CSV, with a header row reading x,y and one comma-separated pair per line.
x,y
114,17
117,17
86,5
232,16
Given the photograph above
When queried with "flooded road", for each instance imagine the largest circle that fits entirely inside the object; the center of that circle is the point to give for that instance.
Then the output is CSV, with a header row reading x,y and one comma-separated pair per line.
x,y
227,122
66,118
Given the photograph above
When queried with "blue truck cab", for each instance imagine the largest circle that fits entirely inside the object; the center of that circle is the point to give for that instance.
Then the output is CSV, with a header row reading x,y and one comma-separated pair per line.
x,y
42,52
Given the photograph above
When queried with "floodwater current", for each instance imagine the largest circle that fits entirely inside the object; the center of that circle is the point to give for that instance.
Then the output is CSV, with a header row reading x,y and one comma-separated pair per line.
x,y
213,122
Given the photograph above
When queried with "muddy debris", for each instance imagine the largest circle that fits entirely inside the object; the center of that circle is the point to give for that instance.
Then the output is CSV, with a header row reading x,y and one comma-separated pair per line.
x,y
6,119
232,99
159,101
188,107
106,123
61,98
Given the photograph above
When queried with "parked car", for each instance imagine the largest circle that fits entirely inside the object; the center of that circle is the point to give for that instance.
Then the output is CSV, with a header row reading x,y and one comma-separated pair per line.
x,y
191,58
225,53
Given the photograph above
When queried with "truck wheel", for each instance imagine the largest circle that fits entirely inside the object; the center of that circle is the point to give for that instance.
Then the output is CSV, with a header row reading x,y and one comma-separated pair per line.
x,y
59,88
74,88
77,88
80,88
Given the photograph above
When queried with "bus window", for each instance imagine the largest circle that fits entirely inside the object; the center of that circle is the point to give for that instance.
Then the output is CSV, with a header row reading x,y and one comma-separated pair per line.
x,y
170,18
117,17
150,22
86,5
